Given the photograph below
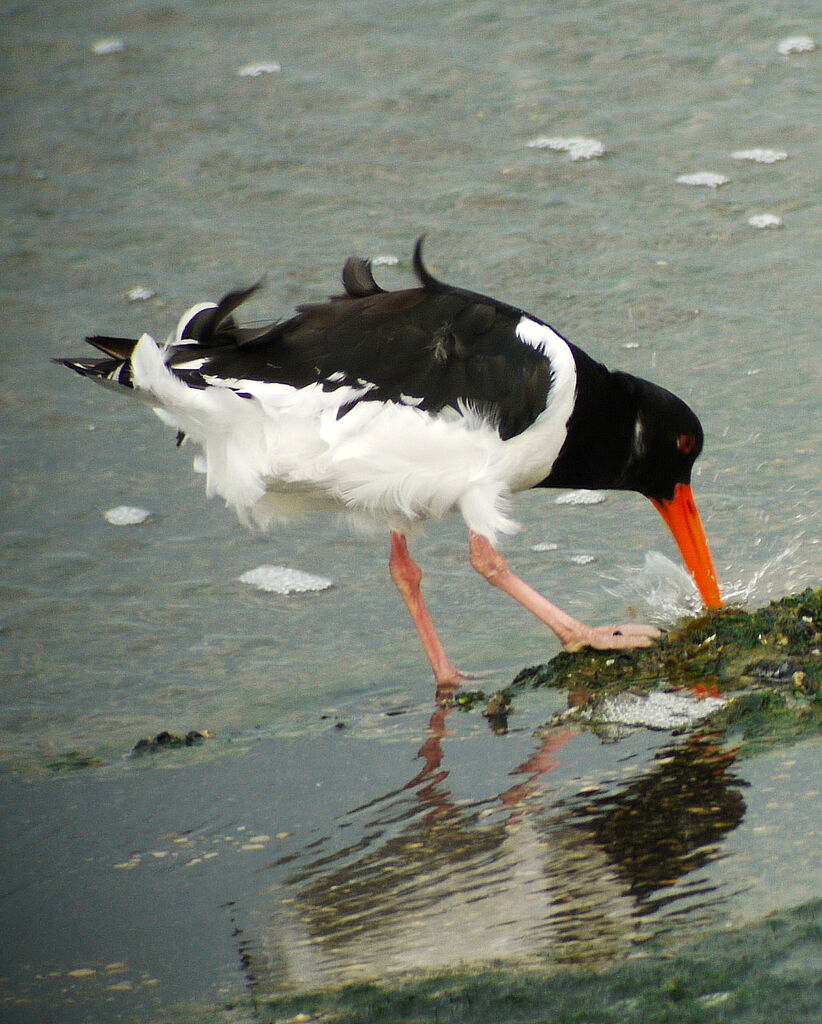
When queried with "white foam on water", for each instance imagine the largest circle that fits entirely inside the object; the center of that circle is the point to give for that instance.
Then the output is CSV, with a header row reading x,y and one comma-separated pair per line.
x,y
660,709
139,293
103,47
577,146
760,156
126,515
582,559
796,44
280,579
580,497
259,68
706,179
765,220
545,545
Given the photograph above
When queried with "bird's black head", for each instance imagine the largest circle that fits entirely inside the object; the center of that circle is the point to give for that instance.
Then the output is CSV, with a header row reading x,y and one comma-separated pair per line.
x,y
666,439
630,435
626,434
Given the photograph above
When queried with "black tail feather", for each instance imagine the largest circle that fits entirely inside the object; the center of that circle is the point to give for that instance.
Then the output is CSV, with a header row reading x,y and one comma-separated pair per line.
x,y
117,348
205,327
116,372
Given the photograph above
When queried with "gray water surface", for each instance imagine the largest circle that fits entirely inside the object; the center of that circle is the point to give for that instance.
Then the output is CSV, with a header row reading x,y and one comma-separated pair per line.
x,y
159,166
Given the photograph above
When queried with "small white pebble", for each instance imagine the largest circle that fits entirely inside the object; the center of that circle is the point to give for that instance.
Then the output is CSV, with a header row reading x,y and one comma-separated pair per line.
x,y
103,47
126,515
796,44
709,179
760,156
260,68
765,220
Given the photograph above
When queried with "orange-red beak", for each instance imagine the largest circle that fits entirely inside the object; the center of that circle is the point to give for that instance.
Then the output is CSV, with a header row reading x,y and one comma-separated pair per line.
x,y
684,523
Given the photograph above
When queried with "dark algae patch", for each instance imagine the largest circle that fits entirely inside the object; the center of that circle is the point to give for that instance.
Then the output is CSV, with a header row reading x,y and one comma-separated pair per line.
x,y
768,662
74,760
166,740
727,649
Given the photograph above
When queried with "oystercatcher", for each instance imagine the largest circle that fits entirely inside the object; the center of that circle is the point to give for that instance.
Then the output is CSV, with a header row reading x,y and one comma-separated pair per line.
x,y
403,406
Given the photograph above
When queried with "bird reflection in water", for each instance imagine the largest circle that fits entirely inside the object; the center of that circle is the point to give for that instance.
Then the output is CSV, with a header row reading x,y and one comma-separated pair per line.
x,y
433,882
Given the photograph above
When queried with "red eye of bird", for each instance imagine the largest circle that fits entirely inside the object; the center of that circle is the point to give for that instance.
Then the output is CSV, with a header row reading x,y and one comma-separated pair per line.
x,y
687,443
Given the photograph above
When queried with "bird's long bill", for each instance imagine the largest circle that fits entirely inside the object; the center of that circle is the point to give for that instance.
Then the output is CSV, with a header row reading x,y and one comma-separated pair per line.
x,y
684,523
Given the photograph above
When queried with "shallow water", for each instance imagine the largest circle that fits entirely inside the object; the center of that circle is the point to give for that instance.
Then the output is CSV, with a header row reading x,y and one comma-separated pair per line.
x,y
159,166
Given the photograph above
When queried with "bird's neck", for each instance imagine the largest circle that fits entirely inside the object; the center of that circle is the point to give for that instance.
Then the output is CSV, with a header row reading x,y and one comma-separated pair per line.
x,y
600,430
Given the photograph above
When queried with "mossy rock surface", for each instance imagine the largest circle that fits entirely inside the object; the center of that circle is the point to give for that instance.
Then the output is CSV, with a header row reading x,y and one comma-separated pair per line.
x,y
726,649
768,661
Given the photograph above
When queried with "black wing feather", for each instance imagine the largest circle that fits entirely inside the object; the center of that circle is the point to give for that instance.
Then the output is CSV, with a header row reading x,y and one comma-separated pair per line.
x,y
441,346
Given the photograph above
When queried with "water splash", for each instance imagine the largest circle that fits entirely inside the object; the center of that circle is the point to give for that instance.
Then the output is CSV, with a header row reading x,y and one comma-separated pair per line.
x,y
663,585
666,589
769,581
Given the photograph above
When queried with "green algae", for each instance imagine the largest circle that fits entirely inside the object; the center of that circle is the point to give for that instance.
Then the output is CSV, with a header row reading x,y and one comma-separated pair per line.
x,y
767,661
756,974
727,649
74,760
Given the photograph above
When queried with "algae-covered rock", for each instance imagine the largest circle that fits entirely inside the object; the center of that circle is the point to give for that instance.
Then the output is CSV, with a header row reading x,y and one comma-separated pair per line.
x,y
762,671
727,649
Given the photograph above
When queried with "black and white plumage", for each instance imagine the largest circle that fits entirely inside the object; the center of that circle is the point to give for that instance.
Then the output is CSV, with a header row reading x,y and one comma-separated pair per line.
x,y
404,406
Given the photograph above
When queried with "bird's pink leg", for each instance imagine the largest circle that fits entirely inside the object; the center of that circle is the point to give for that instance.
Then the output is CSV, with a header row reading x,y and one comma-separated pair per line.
x,y
573,635
406,574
